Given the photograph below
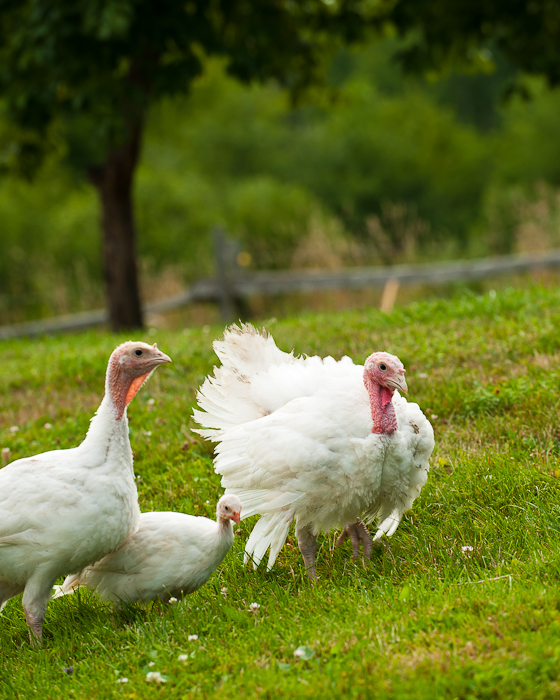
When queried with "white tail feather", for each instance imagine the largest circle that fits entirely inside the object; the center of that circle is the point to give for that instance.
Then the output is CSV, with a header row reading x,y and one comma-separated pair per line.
x,y
247,350
251,501
225,398
69,585
271,531
277,541
262,501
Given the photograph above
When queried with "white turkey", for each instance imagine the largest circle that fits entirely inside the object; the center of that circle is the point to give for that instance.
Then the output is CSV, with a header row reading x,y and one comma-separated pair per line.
x,y
170,555
65,509
313,440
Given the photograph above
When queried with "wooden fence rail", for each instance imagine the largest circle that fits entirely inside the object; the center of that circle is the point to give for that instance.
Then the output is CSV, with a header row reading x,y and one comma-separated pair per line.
x,y
232,283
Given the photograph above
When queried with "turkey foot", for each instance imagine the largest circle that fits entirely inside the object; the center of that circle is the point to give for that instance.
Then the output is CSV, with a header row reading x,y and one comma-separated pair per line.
x,y
357,532
35,626
308,547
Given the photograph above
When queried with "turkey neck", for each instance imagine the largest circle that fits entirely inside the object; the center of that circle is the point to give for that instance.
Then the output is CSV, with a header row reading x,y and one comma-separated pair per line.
x,y
120,387
382,409
224,527
108,430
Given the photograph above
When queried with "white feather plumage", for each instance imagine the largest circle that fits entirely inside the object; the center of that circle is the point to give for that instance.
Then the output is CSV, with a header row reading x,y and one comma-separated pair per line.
x,y
295,442
169,555
64,509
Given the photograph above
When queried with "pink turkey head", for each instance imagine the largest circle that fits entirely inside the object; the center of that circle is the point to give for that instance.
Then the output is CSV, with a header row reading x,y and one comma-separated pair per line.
x,y
386,370
229,508
129,367
383,373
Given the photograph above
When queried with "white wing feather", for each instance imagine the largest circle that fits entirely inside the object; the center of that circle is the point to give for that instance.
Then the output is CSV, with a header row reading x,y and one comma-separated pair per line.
x,y
295,441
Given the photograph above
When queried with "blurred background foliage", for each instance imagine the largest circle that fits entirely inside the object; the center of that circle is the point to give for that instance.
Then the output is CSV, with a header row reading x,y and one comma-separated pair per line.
x,y
374,167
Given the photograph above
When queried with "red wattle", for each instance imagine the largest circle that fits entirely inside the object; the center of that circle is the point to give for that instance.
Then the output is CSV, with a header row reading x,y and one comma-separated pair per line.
x,y
122,388
133,388
382,410
386,396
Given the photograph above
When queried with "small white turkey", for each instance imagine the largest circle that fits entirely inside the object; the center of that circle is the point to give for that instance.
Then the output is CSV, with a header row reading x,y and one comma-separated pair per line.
x,y
65,509
313,440
170,555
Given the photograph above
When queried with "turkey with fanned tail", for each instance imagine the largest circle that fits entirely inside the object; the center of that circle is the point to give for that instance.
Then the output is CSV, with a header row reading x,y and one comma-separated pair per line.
x,y
311,439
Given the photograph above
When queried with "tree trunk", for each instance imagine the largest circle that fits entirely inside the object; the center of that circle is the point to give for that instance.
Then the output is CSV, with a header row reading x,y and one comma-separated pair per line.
x,y
113,181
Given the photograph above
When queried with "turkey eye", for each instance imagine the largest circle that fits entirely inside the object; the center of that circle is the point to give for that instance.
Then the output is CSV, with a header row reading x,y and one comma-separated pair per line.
x,y
382,366
138,353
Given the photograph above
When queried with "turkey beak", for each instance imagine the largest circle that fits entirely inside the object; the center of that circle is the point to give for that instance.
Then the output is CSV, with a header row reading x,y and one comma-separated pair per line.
x,y
403,386
160,358
399,382
236,517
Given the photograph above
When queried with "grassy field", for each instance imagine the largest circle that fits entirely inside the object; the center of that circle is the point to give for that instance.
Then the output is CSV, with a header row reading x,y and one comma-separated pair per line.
x,y
427,617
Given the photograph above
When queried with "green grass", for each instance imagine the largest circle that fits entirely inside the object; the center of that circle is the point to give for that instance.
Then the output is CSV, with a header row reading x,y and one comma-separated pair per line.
x,y
422,619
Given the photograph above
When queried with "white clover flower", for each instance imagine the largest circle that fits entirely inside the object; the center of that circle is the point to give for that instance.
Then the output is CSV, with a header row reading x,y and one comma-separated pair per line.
x,y
155,677
151,402
14,429
304,653
122,680
254,607
193,637
224,591
151,663
6,452
148,433
183,657
467,549
172,600
434,416
47,426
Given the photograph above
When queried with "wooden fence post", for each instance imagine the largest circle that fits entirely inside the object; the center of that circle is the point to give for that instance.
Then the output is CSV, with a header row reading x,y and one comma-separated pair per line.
x,y
389,295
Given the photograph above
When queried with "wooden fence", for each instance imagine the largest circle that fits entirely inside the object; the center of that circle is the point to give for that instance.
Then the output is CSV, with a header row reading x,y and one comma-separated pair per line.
x,y
232,283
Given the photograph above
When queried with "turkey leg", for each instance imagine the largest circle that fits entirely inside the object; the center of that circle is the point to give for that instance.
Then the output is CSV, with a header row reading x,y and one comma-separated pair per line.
x,y
357,532
308,547
35,597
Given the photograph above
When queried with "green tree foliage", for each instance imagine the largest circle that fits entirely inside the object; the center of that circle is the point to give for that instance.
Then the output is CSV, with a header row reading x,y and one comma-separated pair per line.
x,y
87,71
375,139
101,63
49,259
527,33
375,148
529,149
